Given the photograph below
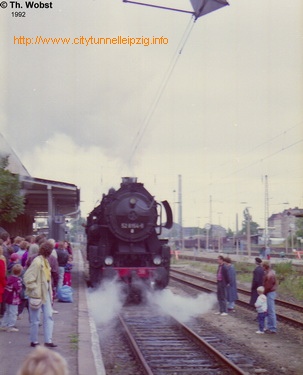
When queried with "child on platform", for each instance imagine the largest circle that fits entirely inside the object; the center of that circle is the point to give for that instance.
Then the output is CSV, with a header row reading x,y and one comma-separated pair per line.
x,y
67,279
12,299
261,306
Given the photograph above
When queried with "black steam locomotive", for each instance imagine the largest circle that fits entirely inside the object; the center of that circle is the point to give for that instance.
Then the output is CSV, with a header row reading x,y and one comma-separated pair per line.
x,y
123,237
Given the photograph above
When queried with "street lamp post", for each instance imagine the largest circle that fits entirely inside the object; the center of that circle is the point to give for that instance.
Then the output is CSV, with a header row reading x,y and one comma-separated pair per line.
x,y
207,227
198,235
292,227
237,234
248,220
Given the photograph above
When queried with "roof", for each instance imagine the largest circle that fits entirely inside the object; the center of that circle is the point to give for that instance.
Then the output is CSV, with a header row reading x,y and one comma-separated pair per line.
x,y
14,164
65,197
40,194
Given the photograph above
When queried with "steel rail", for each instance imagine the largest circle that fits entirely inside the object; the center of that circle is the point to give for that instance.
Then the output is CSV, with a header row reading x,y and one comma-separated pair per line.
x,y
135,348
221,357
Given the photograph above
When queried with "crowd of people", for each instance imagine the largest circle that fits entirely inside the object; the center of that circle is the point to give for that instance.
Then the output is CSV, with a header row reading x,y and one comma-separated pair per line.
x,y
263,292
32,271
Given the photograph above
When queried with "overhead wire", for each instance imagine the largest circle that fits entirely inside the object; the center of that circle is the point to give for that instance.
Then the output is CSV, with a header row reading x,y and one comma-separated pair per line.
x,y
258,161
263,143
169,71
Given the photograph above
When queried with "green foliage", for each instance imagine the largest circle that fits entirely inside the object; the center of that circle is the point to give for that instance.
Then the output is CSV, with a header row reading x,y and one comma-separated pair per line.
x,y
11,202
253,227
74,341
283,270
292,286
244,267
299,225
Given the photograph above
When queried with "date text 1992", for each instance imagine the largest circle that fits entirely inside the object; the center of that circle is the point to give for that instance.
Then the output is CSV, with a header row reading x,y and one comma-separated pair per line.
x,y
18,14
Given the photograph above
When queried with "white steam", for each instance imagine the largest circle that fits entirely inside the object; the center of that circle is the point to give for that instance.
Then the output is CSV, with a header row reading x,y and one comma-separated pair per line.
x,y
183,308
106,302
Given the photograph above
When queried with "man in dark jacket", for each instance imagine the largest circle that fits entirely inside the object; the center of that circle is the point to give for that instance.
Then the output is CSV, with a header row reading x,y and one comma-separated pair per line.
x,y
62,260
258,276
222,282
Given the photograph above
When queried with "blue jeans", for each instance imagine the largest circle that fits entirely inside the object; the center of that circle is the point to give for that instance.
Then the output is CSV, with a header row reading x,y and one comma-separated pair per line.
x,y
261,320
10,316
61,277
221,295
48,322
271,312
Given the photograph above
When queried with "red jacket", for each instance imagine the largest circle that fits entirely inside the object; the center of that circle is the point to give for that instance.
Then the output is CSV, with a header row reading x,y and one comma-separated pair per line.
x,y
270,281
12,290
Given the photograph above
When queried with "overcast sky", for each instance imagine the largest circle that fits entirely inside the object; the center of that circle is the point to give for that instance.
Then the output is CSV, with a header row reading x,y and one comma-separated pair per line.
x,y
229,113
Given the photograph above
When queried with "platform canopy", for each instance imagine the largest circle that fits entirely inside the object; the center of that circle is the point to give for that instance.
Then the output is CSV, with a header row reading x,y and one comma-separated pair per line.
x,y
43,196
55,201
14,163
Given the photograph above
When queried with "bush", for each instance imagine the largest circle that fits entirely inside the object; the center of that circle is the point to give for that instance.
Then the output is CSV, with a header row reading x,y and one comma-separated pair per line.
x,y
283,271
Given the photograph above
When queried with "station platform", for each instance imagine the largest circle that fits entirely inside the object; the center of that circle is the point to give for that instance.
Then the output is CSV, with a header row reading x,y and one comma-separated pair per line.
x,y
74,333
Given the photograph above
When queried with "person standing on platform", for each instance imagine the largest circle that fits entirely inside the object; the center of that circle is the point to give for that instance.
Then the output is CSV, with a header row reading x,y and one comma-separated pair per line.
x,y
5,237
37,280
2,281
231,289
11,297
68,269
258,276
261,306
62,261
270,287
222,282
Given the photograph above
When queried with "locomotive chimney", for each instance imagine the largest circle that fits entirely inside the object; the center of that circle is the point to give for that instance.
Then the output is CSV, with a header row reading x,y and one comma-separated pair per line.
x,y
129,180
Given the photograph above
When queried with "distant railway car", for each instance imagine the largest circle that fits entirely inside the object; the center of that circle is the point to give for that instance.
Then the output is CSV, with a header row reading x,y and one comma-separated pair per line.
x,y
123,237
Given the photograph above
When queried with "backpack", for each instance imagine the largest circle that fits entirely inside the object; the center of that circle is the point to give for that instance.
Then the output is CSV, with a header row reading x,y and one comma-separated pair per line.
x,y
65,294
8,294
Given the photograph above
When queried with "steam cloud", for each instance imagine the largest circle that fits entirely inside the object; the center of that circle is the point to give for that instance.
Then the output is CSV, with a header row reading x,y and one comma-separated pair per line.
x,y
183,308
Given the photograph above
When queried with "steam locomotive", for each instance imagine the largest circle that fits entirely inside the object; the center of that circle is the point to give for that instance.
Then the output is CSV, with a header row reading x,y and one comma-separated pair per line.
x,y
123,238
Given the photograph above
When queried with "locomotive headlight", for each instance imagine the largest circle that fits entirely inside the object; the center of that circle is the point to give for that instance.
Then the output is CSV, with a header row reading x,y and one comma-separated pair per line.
x,y
132,202
109,261
157,260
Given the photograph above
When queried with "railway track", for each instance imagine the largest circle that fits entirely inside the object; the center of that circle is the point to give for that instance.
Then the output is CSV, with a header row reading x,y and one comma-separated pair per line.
x,y
201,258
164,346
284,316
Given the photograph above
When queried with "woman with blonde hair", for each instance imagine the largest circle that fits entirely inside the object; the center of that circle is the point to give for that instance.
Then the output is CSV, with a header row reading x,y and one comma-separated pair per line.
x,y
43,361
37,280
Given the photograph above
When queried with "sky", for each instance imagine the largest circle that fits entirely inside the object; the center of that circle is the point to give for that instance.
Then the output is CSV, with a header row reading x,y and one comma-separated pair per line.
x,y
218,103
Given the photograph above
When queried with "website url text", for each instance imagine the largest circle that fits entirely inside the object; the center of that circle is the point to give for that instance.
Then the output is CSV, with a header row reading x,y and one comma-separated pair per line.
x,y
84,41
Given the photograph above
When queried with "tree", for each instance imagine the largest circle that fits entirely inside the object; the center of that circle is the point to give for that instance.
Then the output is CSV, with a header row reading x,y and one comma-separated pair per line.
x,y
299,225
253,227
11,201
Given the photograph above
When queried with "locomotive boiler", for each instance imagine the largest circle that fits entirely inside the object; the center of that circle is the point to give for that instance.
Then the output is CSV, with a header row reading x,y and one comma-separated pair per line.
x,y
123,237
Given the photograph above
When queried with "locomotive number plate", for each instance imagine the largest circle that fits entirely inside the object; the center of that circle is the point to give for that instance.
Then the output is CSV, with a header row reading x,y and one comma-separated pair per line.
x,y
132,225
